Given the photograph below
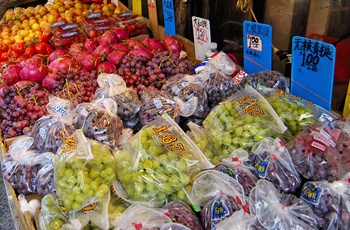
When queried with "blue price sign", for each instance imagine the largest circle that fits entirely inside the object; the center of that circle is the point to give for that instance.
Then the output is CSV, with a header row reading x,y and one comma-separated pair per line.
x,y
169,17
257,42
313,70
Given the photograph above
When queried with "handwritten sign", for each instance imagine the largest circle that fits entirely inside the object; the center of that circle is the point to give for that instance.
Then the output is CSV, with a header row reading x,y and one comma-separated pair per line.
x,y
137,7
313,70
201,36
169,17
257,42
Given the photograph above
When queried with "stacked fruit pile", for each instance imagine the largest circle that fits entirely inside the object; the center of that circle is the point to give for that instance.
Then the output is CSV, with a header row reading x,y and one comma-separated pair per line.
x,y
116,131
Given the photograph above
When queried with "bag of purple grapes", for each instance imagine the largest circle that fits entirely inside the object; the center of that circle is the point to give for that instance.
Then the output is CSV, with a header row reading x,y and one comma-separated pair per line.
x,y
50,131
21,165
295,112
270,79
142,216
99,121
128,102
315,155
45,176
218,195
238,166
275,210
189,94
330,201
154,103
272,162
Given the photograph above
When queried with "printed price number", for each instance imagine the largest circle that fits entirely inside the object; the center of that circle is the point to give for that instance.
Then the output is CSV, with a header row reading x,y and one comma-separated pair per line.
x,y
168,138
254,42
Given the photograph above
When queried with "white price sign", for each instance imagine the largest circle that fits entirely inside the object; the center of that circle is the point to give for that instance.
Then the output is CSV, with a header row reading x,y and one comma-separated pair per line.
x,y
201,36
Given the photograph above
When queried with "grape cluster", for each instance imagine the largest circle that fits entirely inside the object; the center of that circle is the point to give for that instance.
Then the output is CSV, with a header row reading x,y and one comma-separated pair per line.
x,y
180,212
51,215
76,85
78,181
45,183
269,79
140,72
21,104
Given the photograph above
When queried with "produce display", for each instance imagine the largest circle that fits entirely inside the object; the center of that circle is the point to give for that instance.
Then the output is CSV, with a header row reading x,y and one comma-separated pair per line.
x,y
116,130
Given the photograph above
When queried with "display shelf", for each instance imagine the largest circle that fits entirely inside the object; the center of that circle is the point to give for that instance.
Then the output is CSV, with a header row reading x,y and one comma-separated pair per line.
x,y
19,3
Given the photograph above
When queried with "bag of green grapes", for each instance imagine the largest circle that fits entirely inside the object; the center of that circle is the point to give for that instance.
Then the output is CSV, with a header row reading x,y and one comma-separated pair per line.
x,y
241,121
158,164
295,112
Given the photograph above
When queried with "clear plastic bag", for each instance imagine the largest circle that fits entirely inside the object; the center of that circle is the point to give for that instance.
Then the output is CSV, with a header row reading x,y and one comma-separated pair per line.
x,y
240,220
238,166
330,201
270,79
219,196
99,121
113,86
21,165
190,95
295,112
158,163
141,216
280,211
51,130
241,121
155,103
45,176
272,161
181,213
314,153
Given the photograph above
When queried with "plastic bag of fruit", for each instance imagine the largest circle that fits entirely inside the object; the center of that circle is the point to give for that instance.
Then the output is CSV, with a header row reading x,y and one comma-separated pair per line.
x,y
158,163
190,95
241,121
275,210
45,176
99,121
270,79
155,103
315,155
84,171
51,130
238,166
295,112
181,213
116,207
272,161
218,195
21,165
240,220
113,86
330,201
142,216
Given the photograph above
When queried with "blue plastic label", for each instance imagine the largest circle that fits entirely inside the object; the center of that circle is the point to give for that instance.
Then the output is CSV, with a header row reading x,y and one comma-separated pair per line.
x,y
229,172
313,70
169,17
257,47
260,165
311,193
93,15
69,26
219,211
69,34
58,23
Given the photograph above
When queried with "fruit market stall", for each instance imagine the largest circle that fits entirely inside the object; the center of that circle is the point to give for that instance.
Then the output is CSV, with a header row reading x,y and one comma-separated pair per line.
x,y
105,126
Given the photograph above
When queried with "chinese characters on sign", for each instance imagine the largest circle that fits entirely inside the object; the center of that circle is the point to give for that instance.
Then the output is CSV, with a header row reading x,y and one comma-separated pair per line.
x,y
311,52
257,46
202,37
169,17
313,70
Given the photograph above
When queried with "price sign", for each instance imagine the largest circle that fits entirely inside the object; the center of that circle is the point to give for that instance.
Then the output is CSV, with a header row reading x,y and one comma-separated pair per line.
x,y
257,41
201,36
313,70
169,17
137,7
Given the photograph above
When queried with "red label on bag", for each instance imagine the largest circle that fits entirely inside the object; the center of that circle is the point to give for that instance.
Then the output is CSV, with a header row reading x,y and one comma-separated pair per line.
x,y
319,146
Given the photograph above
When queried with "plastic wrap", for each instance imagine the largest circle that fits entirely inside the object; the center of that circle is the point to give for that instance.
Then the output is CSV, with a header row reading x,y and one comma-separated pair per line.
x,y
50,131
330,201
158,163
155,103
99,121
280,211
45,176
241,121
272,162
219,196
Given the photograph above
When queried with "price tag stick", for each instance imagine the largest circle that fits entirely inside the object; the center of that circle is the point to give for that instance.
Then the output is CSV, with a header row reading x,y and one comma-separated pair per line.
x,y
152,12
169,17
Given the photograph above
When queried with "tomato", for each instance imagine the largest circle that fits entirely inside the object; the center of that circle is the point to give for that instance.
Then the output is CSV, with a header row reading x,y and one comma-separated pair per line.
x,y
49,48
29,51
4,47
13,55
18,47
4,57
40,48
